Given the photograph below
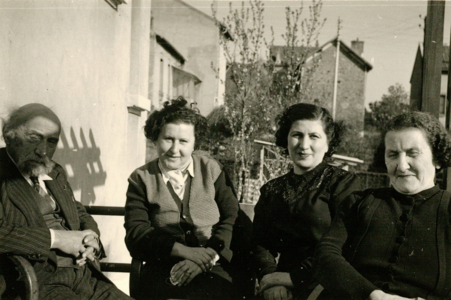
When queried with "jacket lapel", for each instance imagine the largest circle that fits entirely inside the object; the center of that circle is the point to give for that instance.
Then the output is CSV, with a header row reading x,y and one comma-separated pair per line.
x,y
24,197
62,195
19,191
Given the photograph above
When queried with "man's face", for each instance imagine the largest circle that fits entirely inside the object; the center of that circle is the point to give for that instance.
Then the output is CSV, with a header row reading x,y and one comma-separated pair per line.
x,y
33,146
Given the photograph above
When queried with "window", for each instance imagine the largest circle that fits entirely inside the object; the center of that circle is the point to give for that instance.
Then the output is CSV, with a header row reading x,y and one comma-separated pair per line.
x,y
185,84
443,103
169,83
160,91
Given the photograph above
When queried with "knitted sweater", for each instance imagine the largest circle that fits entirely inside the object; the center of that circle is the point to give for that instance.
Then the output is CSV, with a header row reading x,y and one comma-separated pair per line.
x,y
384,240
152,218
292,214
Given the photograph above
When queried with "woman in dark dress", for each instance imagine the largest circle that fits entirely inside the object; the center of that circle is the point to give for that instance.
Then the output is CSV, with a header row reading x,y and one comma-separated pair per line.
x,y
394,243
180,213
295,209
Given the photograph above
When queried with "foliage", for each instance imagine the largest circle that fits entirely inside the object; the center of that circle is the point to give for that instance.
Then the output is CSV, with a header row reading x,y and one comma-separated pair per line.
x,y
276,162
292,79
353,144
256,88
391,104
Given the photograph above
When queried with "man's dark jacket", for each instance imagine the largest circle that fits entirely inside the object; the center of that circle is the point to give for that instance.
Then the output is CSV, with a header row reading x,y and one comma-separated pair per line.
x,y
23,230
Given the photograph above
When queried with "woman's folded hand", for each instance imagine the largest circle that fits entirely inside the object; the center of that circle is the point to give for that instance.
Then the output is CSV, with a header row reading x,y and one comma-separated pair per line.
x,y
183,272
380,295
277,293
203,257
275,279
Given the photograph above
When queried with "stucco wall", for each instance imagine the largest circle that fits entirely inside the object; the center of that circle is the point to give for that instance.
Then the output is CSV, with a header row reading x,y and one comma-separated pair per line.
x,y
196,37
88,62
161,89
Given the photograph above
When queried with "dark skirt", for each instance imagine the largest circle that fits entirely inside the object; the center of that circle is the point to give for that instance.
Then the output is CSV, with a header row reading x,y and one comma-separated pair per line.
x,y
216,284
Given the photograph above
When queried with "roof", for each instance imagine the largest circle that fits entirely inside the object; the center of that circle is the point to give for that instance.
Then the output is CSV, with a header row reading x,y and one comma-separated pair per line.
x,y
417,72
299,51
222,28
171,49
354,56
191,75
445,59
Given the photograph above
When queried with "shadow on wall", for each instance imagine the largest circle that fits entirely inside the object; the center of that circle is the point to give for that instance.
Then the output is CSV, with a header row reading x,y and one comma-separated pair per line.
x,y
82,164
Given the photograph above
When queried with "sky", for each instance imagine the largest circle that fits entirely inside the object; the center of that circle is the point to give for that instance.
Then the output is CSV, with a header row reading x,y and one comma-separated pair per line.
x,y
391,31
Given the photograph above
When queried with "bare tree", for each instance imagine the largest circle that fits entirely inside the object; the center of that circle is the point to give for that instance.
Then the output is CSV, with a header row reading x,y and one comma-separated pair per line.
x,y
258,87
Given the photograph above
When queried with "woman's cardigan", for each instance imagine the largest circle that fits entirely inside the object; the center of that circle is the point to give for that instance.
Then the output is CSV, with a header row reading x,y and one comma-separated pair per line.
x,y
152,218
292,214
381,239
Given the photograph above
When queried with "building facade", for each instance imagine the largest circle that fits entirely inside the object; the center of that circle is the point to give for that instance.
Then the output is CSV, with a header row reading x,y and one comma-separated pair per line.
x,y
416,81
351,79
89,62
199,72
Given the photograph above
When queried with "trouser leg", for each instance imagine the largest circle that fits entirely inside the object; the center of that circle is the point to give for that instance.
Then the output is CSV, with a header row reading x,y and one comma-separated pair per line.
x,y
60,285
80,284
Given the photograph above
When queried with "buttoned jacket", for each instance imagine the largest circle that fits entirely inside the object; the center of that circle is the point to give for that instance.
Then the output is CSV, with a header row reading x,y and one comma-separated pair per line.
x,y
23,230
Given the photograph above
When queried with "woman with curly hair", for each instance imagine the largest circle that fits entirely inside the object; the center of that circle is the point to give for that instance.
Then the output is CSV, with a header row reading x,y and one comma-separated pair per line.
x,y
394,243
295,209
180,212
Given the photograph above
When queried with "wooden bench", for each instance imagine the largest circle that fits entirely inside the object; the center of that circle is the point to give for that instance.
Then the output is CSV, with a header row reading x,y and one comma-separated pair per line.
x,y
28,277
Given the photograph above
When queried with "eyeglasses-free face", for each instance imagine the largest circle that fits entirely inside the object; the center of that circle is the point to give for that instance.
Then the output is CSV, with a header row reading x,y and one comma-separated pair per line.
x,y
409,160
307,144
175,144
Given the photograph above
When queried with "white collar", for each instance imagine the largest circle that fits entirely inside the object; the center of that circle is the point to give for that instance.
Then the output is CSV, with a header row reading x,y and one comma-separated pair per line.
x,y
189,169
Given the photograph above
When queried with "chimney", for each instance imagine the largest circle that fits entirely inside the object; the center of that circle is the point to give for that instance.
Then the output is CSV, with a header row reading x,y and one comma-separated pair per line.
x,y
357,46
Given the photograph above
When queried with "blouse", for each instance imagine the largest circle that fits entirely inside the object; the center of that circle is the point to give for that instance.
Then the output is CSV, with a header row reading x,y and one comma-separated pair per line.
x,y
292,214
154,220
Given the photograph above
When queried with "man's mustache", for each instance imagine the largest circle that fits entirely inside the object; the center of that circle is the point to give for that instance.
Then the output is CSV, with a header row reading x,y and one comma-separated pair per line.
x,y
36,166
36,159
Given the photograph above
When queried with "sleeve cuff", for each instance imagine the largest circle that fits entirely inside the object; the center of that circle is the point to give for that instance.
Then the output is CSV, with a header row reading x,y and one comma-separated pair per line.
x,y
218,245
52,238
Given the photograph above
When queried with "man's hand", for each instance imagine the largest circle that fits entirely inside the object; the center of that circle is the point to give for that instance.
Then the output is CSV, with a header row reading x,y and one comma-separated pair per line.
x,y
89,253
380,295
92,241
277,293
92,248
205,258
275,279
72,241
185,271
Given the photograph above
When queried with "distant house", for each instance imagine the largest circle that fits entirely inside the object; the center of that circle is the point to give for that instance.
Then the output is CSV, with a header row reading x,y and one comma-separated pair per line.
x,y
186,56
351,83
417,78
169,77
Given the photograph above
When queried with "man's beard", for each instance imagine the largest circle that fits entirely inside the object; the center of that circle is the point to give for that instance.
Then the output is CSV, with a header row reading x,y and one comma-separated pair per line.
x,y
36,166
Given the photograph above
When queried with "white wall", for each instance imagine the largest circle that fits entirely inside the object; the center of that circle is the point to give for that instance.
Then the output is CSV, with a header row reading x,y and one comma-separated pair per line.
x,y
88,62
196,36
165,80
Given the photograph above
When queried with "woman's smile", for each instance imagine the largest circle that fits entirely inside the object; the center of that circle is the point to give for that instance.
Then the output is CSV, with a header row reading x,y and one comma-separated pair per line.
x,y
307,144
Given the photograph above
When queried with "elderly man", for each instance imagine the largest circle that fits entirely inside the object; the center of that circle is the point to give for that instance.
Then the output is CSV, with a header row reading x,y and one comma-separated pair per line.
x,y
39,216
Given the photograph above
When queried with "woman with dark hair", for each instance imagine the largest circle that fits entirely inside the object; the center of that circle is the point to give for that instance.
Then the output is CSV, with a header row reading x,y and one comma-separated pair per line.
x,y
295,209
180,212
394,243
